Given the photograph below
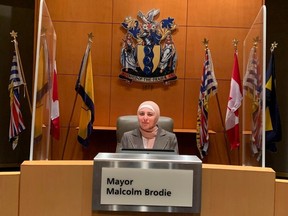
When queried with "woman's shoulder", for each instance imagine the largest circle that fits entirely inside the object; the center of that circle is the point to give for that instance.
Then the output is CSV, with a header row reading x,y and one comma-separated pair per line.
x,y
131,132
165,132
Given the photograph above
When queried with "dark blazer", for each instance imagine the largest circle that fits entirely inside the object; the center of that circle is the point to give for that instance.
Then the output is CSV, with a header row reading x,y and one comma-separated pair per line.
x,y
163,140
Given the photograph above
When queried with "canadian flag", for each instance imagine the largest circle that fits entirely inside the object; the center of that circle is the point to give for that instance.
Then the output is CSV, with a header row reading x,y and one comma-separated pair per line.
x,y
55,123
234,102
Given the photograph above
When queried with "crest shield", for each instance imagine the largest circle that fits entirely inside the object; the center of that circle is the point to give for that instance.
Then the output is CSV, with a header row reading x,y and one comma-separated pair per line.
x,y
148,52
150,59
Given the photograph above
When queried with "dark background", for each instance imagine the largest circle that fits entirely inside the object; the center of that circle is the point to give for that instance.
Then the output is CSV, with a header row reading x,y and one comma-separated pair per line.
x,y
277,23
17,16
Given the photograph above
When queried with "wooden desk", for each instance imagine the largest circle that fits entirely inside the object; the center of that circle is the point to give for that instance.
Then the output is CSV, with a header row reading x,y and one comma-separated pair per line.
x,y
65,188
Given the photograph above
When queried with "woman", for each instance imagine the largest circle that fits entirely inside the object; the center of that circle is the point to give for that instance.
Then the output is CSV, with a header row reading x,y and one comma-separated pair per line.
x,y
149,135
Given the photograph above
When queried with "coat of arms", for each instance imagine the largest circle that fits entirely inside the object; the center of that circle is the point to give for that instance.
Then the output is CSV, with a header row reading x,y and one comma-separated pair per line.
x,y
148,53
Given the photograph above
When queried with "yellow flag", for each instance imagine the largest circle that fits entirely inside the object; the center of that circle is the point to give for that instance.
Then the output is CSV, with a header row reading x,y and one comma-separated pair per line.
x,y
39,101
87,94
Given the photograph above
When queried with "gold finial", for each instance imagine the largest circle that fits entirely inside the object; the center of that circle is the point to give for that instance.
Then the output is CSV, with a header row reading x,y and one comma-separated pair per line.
x,y
273,46
235,43
256,41
13,34
90,37
205,42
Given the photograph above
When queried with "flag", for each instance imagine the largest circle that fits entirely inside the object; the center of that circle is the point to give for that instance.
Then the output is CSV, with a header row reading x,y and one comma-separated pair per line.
x,y
86,91
208,88
251,80
42,89
273,129
234,102
252,87
55,122
16,119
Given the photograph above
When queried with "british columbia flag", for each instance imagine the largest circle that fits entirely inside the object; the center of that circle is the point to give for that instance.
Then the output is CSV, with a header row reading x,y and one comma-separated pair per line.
x,y
16,119
207,89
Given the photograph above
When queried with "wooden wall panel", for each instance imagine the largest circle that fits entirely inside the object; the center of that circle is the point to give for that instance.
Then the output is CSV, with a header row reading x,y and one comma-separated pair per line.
x,y
68,94
101,141
233,13
72,40
126,98
192,87
221,47
215,114
57,146
85,11
219,21
180,40
191,96
126,8
71,149
118,36
102,103
219,150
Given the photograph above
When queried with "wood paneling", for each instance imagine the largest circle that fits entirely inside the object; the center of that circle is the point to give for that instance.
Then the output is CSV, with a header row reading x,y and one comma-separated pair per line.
x,y
9,196
281,195
192,87
85,11
218,106
221,47
68,94
219,181
176,9
65,188
191,97
125,99
71,44
103,87
219,21
68,182
233,13
72,148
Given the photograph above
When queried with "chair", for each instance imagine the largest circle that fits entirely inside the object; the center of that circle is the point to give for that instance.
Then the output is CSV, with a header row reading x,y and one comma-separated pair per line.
x,y
130,122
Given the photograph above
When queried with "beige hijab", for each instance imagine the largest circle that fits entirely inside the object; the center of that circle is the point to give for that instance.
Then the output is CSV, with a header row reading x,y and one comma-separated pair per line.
x,y
148,136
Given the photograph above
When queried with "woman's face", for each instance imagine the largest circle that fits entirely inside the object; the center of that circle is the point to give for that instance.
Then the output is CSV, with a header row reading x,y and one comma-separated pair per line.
x,y
146,119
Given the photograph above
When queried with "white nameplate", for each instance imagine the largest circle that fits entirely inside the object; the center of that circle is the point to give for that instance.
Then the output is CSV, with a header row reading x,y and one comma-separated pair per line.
x,y
156,187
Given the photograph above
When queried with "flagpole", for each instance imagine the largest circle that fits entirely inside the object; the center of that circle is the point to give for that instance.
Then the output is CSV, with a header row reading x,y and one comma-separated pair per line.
x,y
25,84
69,125
235,45
205,42
223,125
14,35
90,36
